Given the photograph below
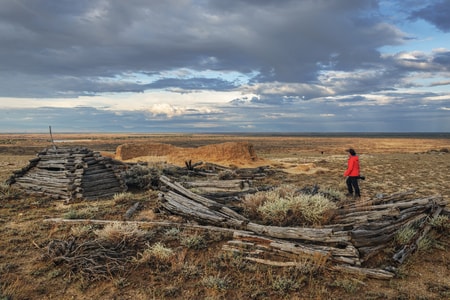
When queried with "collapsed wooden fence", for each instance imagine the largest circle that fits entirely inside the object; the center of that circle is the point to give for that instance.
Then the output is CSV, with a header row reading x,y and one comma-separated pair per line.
x,y
357,232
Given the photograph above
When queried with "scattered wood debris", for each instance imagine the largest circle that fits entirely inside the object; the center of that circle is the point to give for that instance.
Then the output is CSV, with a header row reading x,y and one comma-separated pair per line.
x,y
357,232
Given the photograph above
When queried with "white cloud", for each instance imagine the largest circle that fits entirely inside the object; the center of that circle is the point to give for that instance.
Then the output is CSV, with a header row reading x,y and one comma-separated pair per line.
x,y
171,111
166,109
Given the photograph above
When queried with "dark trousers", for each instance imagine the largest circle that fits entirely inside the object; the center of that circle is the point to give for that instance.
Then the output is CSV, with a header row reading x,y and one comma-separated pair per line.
x,y
352,184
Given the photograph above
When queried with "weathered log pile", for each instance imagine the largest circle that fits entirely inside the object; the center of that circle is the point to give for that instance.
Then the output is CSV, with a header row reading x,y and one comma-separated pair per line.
x,y
221,184
69,174
357,232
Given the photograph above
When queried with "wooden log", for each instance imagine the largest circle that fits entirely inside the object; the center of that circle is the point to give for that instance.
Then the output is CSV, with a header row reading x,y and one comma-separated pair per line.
x,y
31,184
32,188
191,210
404,215
399,205
90,161
182,206
44,180
266,247
446,212
54,166
406,250
366,216
100,184
400,196
334,254
324,235
364,238
132,210
370,273
226,196
206,202
217,184
102,193
103,174
98,170
362,232
367,252
99,180
149,224
385,222
46,174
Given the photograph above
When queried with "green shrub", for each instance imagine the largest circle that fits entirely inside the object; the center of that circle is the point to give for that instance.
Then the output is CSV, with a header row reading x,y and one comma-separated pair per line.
x,y
216,282
440,222
404,235
286,206
195,241
350,286
283,285
157,252
8,192
425,244
140,176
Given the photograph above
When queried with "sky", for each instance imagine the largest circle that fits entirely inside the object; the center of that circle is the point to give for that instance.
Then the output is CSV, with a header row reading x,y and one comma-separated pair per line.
x,y
215,66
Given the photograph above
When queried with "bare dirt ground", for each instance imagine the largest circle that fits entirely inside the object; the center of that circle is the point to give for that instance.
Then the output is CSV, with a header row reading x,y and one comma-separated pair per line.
x,y
390,164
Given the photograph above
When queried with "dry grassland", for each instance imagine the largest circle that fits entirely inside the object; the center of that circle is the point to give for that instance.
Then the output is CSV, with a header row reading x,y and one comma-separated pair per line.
x,y
199,270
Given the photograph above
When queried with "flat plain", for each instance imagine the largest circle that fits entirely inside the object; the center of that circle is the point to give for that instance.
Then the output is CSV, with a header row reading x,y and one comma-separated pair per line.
x,y
391,164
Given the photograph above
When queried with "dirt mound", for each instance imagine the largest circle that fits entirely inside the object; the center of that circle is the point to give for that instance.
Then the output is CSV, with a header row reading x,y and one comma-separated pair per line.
x,y
134,150
230,153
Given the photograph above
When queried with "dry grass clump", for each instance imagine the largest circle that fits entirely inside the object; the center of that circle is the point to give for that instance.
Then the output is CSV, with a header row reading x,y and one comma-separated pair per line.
x,y
216,282
440,223
157,252
122,197
286,206
83,213
194,241
404,235
118,232
8,192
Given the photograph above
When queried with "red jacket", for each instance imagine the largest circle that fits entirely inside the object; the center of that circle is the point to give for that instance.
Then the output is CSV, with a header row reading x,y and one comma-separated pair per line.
x,y
353,166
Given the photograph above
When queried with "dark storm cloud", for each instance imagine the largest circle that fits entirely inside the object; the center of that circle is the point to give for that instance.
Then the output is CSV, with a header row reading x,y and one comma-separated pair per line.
x,y
353,99
437,13
71,47
443,59
192,84
302,65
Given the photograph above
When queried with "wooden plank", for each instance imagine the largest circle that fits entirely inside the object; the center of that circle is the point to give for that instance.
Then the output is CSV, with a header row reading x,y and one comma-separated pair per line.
x,y
324,235
370,273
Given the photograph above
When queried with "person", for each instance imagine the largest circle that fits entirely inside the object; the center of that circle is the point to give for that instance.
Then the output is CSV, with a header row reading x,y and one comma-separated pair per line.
x,y
352,174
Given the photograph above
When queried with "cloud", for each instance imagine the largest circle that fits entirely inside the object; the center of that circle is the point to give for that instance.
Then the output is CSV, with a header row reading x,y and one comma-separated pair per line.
x,y
232,65
171,111
436,13
72,49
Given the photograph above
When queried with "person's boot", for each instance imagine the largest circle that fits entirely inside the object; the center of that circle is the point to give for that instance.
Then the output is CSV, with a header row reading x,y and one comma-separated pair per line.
x,y
349,195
